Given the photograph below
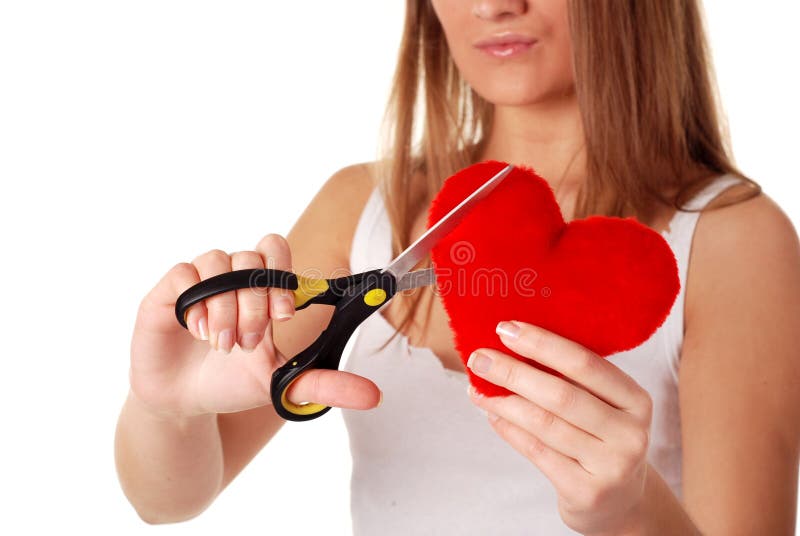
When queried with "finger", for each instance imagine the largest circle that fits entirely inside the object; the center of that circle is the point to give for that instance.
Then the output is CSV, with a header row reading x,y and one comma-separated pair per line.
x,y
598,376
275,253
158,306
252,314
221,308
571,403
334,388
197,320
554,431
565,473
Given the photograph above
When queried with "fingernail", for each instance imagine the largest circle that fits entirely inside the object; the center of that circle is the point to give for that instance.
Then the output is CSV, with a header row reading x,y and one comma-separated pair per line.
x,y
202,327
473,392
380,400
249,341
225,340
508,329
479,363
284,308
492,416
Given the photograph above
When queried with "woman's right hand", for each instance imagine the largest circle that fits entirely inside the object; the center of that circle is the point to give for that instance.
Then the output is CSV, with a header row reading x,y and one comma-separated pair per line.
x,y
177,372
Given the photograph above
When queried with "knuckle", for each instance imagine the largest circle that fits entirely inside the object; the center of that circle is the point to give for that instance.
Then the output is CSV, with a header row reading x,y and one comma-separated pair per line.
x,y
564,398
272,239
638,442
211,258
217,255
253,314
182,275
275,250
510,376
281,302
346,392
316,388
276,293
618,469
538,340
544,420
246,259
183,269
646,405
221,310
535,447
585,363
339,393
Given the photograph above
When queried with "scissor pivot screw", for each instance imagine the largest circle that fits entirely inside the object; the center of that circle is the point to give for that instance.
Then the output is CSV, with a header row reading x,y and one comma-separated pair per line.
x,y
375,297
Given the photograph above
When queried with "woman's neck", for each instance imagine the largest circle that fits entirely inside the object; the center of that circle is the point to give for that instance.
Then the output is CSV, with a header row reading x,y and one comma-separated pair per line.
x,y
546,136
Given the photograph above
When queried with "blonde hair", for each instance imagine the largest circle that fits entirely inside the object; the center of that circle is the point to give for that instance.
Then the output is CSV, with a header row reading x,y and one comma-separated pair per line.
x,y
648,59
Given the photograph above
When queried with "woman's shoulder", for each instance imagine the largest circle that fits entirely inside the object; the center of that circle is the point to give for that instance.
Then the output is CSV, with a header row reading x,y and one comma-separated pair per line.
x,y
751,235
745,260
354,181
335,209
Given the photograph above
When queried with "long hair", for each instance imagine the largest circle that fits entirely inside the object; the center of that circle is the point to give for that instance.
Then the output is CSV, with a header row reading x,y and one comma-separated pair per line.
x,y
648,99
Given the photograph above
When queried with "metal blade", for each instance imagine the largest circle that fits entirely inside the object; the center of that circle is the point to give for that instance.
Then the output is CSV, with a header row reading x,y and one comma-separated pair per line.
x,y
416,279
416,251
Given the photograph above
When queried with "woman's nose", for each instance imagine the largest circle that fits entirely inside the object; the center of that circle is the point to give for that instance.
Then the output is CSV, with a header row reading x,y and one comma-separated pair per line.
x,y
495,9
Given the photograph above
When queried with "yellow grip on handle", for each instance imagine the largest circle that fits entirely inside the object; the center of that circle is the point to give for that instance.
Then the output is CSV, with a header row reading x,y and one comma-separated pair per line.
x,y
308,288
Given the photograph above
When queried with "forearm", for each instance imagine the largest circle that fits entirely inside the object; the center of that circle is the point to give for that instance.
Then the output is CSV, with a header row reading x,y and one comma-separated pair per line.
x,y
660,512
170,470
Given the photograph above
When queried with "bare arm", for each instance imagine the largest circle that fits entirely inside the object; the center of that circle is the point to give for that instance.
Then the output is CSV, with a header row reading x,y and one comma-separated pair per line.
x,y
170,467
740,370
336,209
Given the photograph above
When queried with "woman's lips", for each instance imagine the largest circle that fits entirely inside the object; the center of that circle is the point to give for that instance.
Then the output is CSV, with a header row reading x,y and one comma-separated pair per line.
x,y
506,44
506,50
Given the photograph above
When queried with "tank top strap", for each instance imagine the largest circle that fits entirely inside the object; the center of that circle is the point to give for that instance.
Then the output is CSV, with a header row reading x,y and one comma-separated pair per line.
x,y
702,198
682,225
372,239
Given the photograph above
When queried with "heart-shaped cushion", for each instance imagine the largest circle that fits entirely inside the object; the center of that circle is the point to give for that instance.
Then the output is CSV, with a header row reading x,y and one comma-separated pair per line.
x,y
606,283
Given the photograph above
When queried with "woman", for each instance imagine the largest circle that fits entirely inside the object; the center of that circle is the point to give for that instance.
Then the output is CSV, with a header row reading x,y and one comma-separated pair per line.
x,y
694,431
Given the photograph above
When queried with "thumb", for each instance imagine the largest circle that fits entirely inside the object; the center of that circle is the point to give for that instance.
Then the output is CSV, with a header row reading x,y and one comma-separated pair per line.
x,y
334,388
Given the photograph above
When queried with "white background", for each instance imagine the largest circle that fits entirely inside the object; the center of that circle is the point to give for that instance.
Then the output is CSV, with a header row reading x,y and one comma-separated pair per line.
x,y
134,135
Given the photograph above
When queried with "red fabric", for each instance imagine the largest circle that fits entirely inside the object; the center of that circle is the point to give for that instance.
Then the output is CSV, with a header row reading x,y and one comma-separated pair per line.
x,y
606,283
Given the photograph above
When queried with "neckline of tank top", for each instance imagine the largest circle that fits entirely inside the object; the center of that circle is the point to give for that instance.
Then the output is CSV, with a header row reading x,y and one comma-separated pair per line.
x,y
462,376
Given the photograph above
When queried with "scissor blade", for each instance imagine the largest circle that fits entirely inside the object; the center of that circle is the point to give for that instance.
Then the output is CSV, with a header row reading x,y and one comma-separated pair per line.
x,y
416,251
416,279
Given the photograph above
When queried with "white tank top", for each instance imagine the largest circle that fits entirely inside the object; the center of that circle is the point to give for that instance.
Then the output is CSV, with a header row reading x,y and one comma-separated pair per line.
x,y
427,462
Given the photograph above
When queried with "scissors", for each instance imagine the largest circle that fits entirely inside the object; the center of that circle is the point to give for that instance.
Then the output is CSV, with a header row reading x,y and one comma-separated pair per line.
x,y
355,298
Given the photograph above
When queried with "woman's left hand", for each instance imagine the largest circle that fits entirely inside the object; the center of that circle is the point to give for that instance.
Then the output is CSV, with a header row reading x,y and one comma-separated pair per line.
x,y
587,432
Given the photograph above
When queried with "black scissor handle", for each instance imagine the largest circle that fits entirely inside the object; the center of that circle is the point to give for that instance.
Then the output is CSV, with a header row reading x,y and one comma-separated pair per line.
x,y
358,302
237,279
307,290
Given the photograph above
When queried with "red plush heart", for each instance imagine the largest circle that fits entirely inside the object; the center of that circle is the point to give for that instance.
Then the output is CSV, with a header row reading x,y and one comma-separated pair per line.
x,y
606,283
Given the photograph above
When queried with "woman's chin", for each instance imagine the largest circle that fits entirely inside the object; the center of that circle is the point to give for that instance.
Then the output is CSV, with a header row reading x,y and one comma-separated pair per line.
x,y
527,98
